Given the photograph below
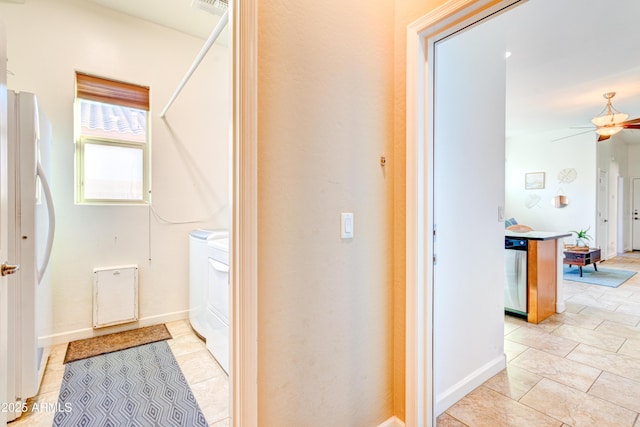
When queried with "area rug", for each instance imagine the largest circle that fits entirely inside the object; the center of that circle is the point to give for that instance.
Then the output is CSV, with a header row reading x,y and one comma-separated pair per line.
x,y
140,386
81,349
604,276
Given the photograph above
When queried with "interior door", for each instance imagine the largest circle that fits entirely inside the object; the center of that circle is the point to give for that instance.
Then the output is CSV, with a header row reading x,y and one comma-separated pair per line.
x,y
636,215
602,233
4,228
620,226
469,187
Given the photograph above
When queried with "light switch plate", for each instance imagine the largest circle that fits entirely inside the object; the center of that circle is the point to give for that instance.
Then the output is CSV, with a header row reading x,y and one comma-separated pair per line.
x,y
346,225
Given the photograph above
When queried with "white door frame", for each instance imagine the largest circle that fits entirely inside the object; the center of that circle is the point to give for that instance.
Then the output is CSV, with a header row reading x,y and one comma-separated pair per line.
x,y
244,223
602,209
4,225
421,36
620,226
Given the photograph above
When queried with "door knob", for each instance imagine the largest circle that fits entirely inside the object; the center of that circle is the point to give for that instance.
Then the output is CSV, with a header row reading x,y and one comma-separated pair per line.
x,y
6,269
606,220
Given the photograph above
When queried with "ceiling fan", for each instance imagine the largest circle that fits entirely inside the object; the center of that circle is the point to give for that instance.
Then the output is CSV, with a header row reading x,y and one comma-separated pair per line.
x,y
610,121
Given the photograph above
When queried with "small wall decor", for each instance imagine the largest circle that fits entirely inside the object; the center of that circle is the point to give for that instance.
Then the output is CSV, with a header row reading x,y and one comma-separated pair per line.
x,y
560,201
567,175
533,200
534,181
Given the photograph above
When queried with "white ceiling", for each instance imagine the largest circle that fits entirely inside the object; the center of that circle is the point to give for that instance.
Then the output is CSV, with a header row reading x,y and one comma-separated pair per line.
x,y
565,55
176,14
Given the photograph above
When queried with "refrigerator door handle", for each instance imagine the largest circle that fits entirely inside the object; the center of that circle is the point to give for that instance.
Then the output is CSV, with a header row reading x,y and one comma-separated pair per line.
x,y
52,221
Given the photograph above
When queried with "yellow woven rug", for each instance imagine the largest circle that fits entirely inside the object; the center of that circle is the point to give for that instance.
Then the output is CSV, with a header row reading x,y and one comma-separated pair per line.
x,y
81,349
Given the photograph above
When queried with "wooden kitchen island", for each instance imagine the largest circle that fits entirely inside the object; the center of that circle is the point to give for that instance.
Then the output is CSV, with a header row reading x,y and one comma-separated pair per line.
x,y
544,272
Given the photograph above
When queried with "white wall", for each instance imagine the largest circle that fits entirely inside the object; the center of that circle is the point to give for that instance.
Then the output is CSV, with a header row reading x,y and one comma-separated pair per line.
x,y
633,160
539,153
325,304
467,196
47,42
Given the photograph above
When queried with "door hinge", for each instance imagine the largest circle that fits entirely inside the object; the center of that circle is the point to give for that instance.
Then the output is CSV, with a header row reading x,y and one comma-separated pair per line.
x,y
435,232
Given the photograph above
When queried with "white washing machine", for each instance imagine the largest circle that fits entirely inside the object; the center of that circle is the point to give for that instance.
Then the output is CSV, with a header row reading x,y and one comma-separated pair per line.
x,y
198,278
217,302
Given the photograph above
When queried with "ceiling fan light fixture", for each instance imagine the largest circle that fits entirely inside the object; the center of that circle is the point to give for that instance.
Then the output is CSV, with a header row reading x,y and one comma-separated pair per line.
x,y
609,119
611,116
608,130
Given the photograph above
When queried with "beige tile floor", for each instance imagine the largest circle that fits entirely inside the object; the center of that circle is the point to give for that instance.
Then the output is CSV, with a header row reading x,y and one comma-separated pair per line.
x,y
207,380
578,368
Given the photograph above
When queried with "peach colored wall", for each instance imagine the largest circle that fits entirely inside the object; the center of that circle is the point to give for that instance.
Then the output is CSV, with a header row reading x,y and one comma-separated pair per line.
x,y
326,99
332,313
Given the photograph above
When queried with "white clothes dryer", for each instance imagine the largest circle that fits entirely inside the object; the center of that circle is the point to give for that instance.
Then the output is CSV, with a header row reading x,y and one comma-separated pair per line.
x,y
198,278
217,310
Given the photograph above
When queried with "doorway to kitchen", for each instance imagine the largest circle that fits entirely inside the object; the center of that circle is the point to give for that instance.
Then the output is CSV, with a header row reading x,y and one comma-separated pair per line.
x,y
570,155
449,199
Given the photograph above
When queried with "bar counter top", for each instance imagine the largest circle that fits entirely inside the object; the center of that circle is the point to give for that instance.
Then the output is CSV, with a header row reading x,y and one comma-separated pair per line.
x,y
536,235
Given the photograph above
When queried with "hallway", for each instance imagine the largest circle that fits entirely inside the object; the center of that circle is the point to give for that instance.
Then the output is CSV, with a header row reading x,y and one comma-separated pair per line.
x,y
578,368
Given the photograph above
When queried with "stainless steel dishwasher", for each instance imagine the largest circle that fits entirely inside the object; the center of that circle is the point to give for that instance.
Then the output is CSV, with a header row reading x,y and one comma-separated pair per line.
x,y
515,276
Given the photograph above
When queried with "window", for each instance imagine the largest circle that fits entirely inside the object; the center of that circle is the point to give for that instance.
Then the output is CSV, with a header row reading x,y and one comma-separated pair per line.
x,y
112,143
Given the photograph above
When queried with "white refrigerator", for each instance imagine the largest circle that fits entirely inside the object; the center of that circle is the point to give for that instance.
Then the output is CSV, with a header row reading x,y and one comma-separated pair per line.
x,y
31,229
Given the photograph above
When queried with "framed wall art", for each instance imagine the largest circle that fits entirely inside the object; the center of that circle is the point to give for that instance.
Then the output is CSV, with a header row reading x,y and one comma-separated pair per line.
x,y
534,181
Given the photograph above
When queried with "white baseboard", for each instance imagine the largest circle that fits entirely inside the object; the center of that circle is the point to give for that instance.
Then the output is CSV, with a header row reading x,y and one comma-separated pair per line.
x,y
79,334
392,422
463,387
